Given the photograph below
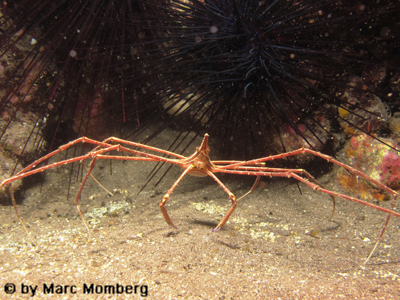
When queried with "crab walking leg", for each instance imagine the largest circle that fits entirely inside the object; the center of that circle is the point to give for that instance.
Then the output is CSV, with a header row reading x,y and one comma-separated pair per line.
x,y
252,188
62,148
15,207
390,212
315,185
20,175
379,238
166,197
124,142
29,170
319,188
331,193
105,144
251,170
233,199
78,196
199,164
91,167
327,158
316,153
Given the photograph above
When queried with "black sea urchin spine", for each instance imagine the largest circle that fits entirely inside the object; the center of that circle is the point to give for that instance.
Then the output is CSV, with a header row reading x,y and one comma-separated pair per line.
x,y
256,74
260,76
83,50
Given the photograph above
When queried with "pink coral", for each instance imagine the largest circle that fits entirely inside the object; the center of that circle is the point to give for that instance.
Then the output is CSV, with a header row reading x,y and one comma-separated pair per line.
x,y
391,170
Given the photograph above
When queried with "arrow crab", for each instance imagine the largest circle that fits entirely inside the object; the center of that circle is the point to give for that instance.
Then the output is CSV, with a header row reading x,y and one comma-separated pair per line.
x,y
199,164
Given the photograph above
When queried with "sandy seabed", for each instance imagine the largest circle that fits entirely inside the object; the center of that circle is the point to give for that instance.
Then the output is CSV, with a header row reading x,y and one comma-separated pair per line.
x,y
279,243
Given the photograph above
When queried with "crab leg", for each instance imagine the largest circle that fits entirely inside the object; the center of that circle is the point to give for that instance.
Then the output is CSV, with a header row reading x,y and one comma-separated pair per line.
x,y
166,197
